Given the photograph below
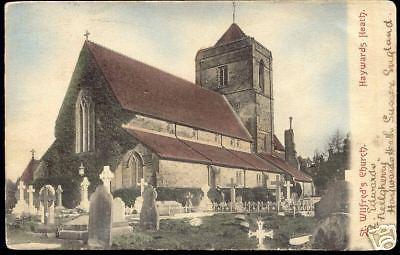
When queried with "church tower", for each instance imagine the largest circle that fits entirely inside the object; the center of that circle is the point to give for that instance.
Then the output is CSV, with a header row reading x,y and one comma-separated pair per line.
x,y
240,68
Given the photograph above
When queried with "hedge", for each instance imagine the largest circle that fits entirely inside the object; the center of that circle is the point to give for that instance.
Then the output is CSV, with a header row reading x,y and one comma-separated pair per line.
x,y
128,195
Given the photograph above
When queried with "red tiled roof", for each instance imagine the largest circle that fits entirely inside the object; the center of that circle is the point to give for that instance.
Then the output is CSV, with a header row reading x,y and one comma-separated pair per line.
x,y
278,145
283,165
232,34
147,90
27,175
176,149
256,161
219,156
167,147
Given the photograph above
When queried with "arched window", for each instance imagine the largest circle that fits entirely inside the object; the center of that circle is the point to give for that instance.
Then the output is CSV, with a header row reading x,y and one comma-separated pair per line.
x,y
135,168
261,75
84,125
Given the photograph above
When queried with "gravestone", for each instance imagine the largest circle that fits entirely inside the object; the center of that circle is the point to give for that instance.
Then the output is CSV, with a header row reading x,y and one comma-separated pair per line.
x,y
100,219
47,198
59,197
260,234
118,210
21,207
239,204
120,225
106,176
32,209
205,203
84,204
139,200
149,217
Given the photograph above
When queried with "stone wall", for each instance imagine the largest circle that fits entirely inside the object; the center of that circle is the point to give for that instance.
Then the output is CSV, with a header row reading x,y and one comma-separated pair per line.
x,y
181,174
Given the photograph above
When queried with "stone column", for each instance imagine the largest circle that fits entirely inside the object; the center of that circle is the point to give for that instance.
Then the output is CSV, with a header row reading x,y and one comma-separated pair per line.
x,y
106,177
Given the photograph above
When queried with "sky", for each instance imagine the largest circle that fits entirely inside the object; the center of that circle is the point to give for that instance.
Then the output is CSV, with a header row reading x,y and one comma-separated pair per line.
x,y
308,41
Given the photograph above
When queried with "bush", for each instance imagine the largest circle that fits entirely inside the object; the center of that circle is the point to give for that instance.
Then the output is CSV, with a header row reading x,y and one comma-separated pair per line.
x,y
179,194
247,194
128,195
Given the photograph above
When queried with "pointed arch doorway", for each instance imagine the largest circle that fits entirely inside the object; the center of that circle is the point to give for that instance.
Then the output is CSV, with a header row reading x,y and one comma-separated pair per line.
x,y
135,169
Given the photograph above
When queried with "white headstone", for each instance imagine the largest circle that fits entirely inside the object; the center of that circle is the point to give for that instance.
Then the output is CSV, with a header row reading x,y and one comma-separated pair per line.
x,y
288,185
47,198
118,210
84,204
106,177
32,209
260,233
21,207
205,203
59,196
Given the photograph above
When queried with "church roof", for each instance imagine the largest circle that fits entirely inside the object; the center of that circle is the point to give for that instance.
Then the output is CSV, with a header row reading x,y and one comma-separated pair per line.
x,y
27,175
233,33
284,166
144,89
278,145
176,149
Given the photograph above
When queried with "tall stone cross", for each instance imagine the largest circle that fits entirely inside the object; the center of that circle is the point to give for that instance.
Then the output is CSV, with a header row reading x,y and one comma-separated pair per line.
x,y
106,176
21,188
233,195
30,199
84,204
288,185
260,233
278,184
142,184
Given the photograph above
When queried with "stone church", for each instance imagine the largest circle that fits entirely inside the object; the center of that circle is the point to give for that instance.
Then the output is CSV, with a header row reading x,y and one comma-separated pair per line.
x,y
146,123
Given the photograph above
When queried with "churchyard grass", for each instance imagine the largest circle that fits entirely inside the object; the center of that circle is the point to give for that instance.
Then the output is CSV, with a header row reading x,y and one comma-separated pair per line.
x,y
221,231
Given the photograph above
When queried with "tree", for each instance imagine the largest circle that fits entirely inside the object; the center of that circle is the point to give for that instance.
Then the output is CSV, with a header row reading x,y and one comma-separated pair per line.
x,y
11,188
329,166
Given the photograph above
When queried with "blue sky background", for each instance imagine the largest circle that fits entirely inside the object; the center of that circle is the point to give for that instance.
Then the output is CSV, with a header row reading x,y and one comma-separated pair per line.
x,y
308,41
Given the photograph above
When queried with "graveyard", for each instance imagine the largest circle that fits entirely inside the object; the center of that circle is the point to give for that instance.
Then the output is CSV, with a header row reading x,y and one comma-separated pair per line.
x,y
221,232
102,221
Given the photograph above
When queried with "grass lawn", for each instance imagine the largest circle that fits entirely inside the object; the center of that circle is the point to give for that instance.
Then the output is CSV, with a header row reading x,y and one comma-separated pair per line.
x,y
220,232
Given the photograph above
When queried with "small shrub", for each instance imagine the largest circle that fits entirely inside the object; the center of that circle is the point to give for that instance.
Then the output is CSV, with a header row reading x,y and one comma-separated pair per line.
x,y
128,195
179,194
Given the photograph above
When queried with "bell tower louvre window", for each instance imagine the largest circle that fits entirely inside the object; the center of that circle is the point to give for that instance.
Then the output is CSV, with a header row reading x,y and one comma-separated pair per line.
x,y
222,75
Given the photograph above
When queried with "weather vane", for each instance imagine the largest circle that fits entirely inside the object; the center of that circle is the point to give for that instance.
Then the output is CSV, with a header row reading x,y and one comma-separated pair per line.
x,y
234,11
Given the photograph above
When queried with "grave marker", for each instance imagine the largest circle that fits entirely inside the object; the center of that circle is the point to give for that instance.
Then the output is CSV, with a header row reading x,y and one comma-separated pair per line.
x,y
149,217
21,207
100,218
260,233
47,197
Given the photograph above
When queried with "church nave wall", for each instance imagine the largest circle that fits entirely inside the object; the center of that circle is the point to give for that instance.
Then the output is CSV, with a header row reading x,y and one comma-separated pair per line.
x,y
181,174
